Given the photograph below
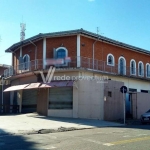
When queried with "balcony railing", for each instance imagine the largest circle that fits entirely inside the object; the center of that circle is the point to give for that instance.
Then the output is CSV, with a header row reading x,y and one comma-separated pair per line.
x,y
78,62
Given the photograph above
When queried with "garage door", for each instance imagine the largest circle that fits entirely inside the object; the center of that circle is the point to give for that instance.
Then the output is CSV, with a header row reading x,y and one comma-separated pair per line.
x,y
29,101
61,98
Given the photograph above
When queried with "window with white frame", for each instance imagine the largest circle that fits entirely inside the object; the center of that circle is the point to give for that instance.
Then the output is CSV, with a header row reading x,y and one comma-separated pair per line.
x,y
122,65
26,60
132,67
110,60
140,69
61,53
148,70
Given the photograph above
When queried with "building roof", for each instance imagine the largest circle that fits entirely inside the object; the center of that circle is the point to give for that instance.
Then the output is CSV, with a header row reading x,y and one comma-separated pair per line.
x,y
5,66
74,32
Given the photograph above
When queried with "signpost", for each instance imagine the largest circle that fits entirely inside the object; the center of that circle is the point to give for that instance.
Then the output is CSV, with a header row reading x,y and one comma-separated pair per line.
x,y
123,90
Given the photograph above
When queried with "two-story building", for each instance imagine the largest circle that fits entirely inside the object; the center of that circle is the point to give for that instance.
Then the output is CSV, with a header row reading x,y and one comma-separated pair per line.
x,y
78,54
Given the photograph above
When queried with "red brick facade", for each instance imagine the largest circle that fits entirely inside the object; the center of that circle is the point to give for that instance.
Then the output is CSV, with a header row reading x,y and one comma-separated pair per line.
x,y
102,49
69,42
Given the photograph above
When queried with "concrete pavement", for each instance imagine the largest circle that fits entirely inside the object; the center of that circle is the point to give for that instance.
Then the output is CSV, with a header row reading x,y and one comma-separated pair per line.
x,y
107,138
34,123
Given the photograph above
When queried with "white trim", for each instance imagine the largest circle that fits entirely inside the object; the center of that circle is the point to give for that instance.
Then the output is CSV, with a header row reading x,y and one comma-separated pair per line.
x,y
131,66
147,64
113,59
44,53
142,68
124,70
57,49
27,69
26,55
78,51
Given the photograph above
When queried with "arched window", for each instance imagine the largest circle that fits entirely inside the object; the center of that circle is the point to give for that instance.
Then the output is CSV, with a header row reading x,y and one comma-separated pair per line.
x,y
110,60
148,70
26,59
140,69
122,66
132,67
61,52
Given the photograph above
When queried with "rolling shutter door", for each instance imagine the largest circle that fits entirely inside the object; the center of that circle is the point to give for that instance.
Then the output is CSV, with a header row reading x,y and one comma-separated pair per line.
x,y
29,100
61,98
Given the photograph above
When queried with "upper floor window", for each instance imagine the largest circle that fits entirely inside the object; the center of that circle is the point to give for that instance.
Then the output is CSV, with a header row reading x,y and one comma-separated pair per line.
x,y
26,60
132,67
122,65
148,70
60,52
140,69
110,60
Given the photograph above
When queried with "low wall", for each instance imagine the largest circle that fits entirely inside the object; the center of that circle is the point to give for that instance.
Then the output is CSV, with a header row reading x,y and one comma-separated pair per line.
x,y
60,113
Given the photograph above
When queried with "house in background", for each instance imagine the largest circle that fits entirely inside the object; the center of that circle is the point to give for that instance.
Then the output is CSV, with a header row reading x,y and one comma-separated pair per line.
x,y
4,97
89,55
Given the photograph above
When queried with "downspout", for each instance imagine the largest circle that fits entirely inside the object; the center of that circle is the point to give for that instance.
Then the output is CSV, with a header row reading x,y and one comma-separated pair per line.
x,y
94,49
35,53
94,52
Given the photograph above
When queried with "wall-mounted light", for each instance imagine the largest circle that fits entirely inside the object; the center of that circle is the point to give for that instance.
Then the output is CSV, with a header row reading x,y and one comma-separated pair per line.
x,y
83,44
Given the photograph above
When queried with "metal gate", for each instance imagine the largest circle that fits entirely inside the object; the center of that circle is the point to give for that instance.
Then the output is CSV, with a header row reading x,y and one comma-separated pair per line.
x,y
29,101
61,98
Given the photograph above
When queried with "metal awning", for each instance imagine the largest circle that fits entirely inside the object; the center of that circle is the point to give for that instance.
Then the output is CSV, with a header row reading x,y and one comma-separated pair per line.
x,y
33,86
16,87
56,84
40,85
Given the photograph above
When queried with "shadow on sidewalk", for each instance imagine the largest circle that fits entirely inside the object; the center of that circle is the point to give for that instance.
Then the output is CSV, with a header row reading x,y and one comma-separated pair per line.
x,y
13,142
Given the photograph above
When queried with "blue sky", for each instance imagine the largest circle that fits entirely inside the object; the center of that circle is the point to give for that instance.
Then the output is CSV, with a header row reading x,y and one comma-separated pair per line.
x,y
123,20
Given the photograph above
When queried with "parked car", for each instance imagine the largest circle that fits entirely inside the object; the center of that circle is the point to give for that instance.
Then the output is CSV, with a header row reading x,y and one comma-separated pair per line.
x,y
145,118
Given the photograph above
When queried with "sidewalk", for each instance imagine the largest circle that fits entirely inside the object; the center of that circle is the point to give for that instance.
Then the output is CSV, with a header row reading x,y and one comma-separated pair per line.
x,y
33,123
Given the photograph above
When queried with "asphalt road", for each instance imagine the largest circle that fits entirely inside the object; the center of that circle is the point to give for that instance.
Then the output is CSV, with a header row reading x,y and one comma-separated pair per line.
x,y
111,138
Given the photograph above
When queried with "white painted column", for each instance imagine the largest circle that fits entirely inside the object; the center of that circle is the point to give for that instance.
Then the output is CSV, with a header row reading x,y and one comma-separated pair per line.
x,y
44,53
78,51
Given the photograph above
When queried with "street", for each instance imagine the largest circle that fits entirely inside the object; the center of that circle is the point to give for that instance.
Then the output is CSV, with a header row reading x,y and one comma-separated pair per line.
x,y
135,137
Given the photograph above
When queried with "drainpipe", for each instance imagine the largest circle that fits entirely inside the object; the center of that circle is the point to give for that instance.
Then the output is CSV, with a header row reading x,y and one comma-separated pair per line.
x,y
94,52
35,52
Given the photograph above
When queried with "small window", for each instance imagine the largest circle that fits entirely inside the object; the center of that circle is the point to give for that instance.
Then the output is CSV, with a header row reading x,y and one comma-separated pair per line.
x,y
132,90
109,94
26,59
132,67
61,53
110,60
141,69
144,91
122,66
147,70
